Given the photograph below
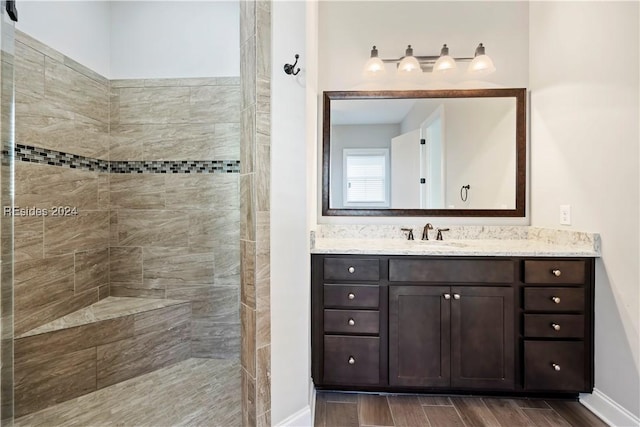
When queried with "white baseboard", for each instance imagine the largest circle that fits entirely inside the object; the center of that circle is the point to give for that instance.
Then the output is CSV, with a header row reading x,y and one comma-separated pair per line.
x,y
609,410
302,418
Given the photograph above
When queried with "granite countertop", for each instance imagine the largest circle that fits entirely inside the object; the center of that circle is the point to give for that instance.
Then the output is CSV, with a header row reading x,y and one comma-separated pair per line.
x,y
463,241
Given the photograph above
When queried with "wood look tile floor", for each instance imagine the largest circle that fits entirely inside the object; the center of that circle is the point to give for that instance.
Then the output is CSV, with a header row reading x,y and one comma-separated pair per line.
x,y
357,409
195,392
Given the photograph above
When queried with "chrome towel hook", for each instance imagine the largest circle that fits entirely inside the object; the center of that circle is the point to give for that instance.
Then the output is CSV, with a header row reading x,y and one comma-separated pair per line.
x,y
464,192
289,68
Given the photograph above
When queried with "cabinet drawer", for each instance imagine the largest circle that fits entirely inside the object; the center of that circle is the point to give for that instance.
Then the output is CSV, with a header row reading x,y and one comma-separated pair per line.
x,y
351,360
554,365
351,269
351,321
554,271
554,325
451,271
351,296
554,299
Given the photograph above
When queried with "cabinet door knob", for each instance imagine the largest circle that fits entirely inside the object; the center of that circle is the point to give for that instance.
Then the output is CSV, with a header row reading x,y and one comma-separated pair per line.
x,y
556,367
556,272
351,295
555,326
556,300
352,361
351,322
352,269
456,296
447,296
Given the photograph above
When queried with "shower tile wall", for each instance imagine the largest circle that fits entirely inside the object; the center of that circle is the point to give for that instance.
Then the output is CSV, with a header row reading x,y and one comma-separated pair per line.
x,y
140,230
175,235
61,262
255,178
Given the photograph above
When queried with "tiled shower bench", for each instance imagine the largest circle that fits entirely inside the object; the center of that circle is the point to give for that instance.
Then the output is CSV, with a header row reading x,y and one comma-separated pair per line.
x,y
108,342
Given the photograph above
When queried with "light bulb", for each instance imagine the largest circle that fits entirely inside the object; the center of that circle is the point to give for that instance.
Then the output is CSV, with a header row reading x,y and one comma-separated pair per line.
x,y
445,62
409,64
481,63
374,66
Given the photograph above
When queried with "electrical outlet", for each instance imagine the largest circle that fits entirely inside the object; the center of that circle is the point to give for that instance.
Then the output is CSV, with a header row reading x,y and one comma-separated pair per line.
x,y
565,214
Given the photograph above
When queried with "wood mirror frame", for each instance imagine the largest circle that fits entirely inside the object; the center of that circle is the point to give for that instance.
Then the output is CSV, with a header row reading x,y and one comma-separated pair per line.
x,y
519,94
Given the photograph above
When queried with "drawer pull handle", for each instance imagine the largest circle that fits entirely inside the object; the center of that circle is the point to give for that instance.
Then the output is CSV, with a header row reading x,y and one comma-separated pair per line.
x,y
351,322
555,326
556,367
556,272
352,361
447,296
456,296
556,300
351,295
353,270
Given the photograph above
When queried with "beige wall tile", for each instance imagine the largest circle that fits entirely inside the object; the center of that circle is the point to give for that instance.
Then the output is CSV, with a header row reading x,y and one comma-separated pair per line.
x,y
55,310
38,385
248,273
248,72
44,186
121,289
153,228
76,66
87,230
248,139
168,267
161,319
76,92
263,384
125,141
248,339
39,46
137,191
247,208
193,141
247,20
248,399
218,304
263,42
226,141
28,238
215,340
263,177
153,105
29,70
227,194
103,191
125,265
91,269
135,356
187,191
211,104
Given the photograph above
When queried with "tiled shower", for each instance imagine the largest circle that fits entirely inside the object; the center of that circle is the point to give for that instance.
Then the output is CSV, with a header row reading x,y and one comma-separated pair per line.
x,y
123,188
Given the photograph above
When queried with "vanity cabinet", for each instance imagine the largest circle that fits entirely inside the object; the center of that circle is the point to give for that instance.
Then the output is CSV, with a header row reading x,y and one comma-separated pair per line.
x,y
422,323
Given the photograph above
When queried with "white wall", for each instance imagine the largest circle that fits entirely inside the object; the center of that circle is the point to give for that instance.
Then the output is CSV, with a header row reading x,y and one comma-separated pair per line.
x,y
584,136
78,29
290,261
162,39
140,39
348,29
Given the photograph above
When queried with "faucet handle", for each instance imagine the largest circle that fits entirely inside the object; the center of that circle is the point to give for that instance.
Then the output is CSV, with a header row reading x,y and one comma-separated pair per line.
x,y
439,235
409,234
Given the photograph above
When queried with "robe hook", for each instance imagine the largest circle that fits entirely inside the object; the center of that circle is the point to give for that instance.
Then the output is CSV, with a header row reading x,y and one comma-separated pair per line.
x,y
289,68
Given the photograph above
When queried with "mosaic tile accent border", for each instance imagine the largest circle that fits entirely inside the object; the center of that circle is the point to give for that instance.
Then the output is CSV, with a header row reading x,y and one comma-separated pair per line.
x,y
28,153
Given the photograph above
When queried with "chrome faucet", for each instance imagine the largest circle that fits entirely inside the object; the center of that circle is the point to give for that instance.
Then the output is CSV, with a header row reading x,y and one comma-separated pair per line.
x,y
425,231
439,235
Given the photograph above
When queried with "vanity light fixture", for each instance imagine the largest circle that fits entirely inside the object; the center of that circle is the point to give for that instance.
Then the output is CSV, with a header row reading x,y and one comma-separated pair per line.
x,y
411,64
374,66
481,62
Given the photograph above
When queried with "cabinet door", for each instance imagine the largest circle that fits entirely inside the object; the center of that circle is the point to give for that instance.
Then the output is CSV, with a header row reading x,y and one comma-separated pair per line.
x,y
419,343
482,337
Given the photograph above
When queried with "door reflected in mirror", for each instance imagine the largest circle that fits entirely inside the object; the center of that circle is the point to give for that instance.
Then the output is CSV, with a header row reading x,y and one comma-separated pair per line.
x,y
453,153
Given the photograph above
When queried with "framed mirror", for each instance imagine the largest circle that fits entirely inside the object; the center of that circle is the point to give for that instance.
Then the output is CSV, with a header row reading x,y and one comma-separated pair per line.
x,y
424,153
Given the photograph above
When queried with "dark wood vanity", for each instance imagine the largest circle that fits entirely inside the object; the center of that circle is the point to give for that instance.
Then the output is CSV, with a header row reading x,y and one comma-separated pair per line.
x,y
406,323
